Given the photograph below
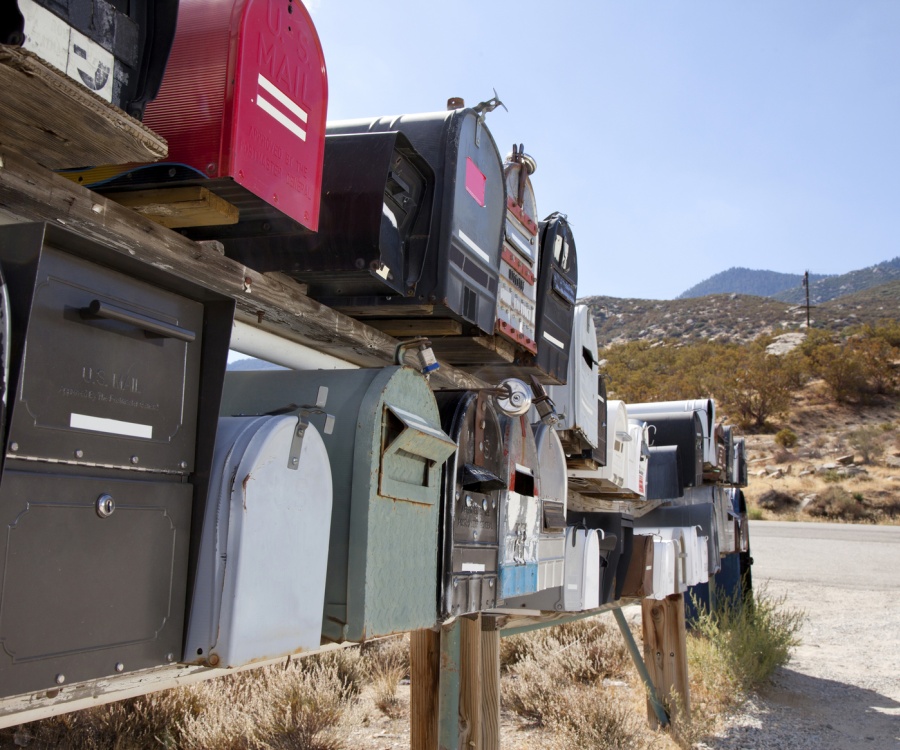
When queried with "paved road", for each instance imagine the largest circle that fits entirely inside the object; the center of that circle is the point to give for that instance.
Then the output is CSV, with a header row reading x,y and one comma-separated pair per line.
x,y
841,690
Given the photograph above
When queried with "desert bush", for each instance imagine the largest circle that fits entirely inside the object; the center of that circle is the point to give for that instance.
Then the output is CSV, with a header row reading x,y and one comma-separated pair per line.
x,y
387,662
868,441
786,438
838,504
596,720
777,501
783,457
748,639
755,514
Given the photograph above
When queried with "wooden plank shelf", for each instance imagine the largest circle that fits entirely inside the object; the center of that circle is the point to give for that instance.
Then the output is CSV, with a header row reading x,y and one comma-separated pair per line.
x,y
60,123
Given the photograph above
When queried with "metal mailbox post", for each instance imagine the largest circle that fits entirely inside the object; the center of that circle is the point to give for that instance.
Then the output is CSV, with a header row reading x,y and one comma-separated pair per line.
x,y
387,452
108,435
260,582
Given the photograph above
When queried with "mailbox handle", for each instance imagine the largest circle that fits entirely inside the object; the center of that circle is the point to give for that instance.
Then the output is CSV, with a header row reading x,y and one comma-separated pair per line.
x,y
98,309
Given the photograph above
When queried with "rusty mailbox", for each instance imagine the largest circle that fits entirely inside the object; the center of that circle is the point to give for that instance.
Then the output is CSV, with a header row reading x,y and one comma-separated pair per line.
x,y
471,496
387,452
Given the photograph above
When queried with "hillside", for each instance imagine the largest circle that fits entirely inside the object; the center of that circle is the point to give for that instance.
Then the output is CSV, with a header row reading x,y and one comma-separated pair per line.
x,y
832,287
747,281
734,317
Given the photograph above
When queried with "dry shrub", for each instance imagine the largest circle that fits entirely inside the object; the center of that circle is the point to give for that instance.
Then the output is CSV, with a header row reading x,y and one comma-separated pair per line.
x,y
591,719
387,662
348,664
777,501
782,456
838,504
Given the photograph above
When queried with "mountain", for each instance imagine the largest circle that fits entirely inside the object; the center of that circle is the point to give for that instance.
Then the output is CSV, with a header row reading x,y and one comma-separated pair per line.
x,y
747,281
832,287
734,317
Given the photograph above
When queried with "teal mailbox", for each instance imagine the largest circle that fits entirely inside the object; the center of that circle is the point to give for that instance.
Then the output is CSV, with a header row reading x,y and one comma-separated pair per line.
x,y
386,450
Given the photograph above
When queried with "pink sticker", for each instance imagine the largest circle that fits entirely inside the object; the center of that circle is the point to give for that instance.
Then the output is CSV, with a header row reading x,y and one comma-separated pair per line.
x,y
475,181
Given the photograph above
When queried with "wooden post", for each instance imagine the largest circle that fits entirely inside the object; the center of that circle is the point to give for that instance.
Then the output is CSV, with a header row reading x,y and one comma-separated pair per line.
x,y
470,683
665,654
490,684
448,687
424,672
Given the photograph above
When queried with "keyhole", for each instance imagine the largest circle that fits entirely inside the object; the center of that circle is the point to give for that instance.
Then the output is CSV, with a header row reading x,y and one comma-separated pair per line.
x,y
105,506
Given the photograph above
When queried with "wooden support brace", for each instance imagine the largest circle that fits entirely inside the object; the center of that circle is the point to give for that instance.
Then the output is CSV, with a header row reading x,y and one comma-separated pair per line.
x,y
176,207
449,687
424,673
490,683
665,654
405,328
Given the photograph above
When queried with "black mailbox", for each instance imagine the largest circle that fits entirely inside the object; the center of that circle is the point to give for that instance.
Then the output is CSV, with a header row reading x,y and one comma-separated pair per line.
x,y
374,222
664,481
619,526
470,503
108,433
459,273
685,430
556,291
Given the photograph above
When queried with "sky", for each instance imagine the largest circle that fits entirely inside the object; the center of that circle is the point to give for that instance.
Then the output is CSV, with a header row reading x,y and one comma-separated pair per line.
x,y
681,137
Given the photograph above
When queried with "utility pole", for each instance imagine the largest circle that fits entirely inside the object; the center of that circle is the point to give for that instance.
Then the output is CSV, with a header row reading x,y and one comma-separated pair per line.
x,y
806,286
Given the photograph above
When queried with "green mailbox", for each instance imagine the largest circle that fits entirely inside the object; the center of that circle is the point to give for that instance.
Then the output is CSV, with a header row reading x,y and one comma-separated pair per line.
x,y
386,451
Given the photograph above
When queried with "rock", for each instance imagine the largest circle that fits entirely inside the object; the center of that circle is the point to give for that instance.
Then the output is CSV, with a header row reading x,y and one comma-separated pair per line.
x,y
777,474
825,468
851,471
806,473
807,499
845,460
772,469
893,461
777,501
760,473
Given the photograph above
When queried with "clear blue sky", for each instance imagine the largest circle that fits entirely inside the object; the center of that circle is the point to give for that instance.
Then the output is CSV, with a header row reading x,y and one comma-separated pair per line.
x,y
682,137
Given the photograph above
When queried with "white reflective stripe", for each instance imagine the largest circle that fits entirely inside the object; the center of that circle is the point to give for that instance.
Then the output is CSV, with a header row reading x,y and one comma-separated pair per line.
x,y
473,568
553,340
112,426
266,106
471,243
282,97
572,587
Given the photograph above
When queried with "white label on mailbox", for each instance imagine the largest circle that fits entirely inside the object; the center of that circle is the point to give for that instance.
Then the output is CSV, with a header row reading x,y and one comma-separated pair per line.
x,y
111,426
554,341
471,243
473,568
572,587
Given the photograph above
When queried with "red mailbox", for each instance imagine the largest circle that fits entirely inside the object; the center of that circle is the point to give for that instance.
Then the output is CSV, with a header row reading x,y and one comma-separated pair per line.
x,y
243,101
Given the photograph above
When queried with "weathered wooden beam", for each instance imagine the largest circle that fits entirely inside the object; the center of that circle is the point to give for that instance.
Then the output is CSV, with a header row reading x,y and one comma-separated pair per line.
x,y
490,683
404,328
176,207
29,192
424,677
448,687
470,682
665,655
60,123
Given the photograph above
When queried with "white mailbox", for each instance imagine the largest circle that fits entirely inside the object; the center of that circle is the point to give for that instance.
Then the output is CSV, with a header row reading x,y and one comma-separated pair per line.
x,y
612,478
705,407
665,564
260,582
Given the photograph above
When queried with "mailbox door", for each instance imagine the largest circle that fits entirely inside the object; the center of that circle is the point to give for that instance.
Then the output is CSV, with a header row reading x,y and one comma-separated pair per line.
x,y
266,509
89,583
583,571
554,491
471,486
557,285
638,579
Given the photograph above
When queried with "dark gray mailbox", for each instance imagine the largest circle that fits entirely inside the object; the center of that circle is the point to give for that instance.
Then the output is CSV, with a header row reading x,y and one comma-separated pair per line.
x,y
387,452
458,275
472,481
114,383
556,292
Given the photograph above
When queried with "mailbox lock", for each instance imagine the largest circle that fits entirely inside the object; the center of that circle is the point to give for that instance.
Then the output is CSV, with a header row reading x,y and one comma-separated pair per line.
x,y
105,506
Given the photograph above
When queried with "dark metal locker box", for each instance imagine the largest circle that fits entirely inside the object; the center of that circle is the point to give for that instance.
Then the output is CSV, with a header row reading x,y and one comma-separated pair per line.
x,y
556,293
117,50
260,584
459,277
377,202
664,480
470,496
94,576
387,452
108,366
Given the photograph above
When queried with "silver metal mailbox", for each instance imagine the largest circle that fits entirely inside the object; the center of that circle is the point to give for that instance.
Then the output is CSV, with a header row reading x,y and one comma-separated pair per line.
x,y
260,582
472,481
387,452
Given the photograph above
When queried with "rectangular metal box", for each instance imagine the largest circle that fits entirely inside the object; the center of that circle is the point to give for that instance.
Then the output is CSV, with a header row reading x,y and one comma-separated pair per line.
x,y
684,430
115,375
117,50
557,286
664,481
617,539
387,452
462,259
470,496
242,105
260,583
